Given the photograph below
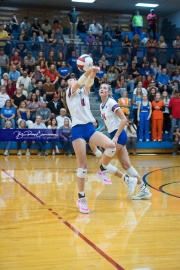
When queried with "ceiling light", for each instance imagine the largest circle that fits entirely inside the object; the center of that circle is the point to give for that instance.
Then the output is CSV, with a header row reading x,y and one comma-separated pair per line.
x,y
146,5
84,1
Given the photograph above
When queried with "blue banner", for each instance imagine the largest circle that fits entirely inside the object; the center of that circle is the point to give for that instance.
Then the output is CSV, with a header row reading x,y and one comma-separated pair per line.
x,y
18,134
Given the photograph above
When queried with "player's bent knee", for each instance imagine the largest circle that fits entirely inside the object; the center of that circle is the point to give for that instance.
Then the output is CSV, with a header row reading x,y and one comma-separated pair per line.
x,y
81,172
132,172
110,152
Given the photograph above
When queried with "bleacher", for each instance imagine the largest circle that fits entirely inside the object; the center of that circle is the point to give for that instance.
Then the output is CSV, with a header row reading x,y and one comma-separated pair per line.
x,y
113,19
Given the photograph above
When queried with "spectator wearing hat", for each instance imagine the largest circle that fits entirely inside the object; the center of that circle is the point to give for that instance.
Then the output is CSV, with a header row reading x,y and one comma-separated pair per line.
x,y
21,47
152,20
4,61
55,105
26,26
146,70
30,58
8,29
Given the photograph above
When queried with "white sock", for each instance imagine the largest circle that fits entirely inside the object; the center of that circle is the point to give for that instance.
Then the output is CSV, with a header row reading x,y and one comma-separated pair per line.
x,y
82,193
142,186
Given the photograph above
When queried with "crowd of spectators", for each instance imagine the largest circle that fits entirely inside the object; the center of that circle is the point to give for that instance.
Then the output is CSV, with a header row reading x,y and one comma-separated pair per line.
x,y
33,85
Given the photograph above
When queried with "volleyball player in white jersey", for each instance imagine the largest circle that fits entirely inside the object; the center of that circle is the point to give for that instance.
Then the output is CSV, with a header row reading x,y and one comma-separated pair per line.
x,y
83,132
113,119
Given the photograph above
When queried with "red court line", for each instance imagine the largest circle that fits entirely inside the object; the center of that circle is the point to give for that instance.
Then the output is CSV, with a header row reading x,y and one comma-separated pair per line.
x,y
83,237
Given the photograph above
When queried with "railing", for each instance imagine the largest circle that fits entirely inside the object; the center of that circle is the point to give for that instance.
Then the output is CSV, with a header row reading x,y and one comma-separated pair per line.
x,y
163,54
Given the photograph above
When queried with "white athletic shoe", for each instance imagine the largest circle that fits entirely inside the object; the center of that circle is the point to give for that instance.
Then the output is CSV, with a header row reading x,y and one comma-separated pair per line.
x,y
19,153
27,153
6,153
103,176
143,195
130,183
82,205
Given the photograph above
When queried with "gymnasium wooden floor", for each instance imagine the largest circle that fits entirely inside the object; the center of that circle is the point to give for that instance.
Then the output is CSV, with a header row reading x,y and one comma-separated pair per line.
x,y
41,229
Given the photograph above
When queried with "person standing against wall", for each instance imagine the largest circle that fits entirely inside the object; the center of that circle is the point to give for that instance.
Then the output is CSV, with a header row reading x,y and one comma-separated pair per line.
x,y
137,23
152,20
73,20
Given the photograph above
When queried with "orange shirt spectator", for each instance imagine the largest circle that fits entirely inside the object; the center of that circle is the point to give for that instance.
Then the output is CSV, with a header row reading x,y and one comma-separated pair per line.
x,y
158,107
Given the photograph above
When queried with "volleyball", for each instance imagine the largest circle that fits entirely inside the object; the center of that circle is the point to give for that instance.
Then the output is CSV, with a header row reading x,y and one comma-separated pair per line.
x,y
84,62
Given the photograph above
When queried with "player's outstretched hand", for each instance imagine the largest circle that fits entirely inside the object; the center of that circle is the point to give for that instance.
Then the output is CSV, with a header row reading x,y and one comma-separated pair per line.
x,y
95,69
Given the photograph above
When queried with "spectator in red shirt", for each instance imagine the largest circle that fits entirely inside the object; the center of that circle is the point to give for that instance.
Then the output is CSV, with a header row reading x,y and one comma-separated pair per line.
x,y
10,88
174,110
152,19
147,81
53,75
16,60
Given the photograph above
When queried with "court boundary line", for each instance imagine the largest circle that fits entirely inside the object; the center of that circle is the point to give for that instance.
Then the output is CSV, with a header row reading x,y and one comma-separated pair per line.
x,y
160,189
67,224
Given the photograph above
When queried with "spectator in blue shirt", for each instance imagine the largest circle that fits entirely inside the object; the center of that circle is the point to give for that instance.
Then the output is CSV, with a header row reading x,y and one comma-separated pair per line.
x,y
14,74
146,70
71,62
8,114
109,52
163,79
64,71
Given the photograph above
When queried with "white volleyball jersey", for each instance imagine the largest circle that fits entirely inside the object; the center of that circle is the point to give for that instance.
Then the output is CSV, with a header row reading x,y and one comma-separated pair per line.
x,y
79,107
108,110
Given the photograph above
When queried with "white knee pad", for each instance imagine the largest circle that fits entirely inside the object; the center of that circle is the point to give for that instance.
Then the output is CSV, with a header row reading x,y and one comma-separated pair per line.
x,y
98,153
132,172
110,152
81,172
111,169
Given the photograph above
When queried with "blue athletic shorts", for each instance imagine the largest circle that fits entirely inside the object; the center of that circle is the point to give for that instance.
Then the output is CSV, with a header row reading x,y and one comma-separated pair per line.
x,y
83,132
122,137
